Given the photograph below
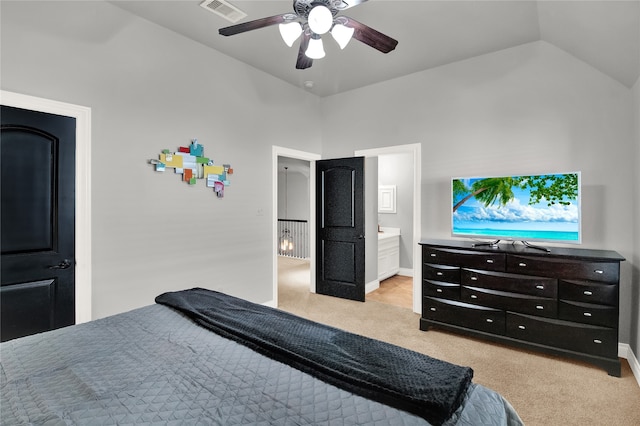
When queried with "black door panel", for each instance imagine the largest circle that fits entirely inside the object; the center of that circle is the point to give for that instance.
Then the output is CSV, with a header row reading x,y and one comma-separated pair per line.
x,y
38,222
340,228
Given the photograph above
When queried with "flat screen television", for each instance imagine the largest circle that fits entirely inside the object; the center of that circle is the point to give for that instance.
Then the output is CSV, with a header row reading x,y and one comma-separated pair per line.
x,y
543,207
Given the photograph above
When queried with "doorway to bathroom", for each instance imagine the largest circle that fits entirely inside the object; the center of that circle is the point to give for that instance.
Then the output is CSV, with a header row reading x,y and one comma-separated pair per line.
x,y
398,167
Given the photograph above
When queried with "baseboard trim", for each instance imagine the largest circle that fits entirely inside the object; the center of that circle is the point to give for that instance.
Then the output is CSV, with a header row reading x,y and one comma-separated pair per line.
x,y
371,286
635,366
406,272
624,351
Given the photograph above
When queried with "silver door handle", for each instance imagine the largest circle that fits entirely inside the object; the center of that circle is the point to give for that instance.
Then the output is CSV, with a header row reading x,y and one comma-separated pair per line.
x,y
65,264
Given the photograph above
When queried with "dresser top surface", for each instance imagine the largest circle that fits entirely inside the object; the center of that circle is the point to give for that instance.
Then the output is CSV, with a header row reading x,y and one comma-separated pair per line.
x,y
523,250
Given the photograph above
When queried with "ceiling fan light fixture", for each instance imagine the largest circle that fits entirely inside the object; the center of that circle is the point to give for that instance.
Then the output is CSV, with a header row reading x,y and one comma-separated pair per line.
x,y
342,35
312,19
290,32
315,50
320,19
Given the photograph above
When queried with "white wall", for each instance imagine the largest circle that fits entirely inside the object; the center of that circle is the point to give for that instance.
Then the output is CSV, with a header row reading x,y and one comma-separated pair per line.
x,y
528,109
635,298
150,89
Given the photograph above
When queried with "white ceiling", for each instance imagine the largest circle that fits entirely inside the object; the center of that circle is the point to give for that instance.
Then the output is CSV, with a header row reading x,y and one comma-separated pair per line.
x,y
604,34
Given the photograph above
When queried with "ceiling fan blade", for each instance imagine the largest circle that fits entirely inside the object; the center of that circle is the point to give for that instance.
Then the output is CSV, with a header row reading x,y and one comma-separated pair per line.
x,y
252,25
346,4
372,37
304,61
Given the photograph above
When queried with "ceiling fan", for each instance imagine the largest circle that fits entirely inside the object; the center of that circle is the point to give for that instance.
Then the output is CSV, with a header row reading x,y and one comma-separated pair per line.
x,y
312,19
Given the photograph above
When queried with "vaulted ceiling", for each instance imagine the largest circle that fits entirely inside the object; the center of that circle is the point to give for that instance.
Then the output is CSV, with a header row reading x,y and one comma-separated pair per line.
x,y
604,34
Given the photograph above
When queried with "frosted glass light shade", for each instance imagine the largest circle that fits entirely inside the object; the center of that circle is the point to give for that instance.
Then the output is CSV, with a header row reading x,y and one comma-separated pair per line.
x,y
320,19
342,35
290,32
315,50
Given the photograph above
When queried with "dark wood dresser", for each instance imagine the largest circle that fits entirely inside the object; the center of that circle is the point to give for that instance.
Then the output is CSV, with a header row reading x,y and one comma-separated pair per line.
x,y
564,302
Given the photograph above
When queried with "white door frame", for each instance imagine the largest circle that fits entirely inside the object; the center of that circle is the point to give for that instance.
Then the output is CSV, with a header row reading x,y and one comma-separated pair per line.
x,y
276,152
416,150
82,115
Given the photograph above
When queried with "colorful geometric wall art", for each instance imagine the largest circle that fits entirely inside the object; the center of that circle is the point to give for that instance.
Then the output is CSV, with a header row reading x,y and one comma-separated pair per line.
x,y
191,163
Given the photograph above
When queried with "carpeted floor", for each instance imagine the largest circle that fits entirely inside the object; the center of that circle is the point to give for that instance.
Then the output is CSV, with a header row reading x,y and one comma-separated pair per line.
x,y
545,390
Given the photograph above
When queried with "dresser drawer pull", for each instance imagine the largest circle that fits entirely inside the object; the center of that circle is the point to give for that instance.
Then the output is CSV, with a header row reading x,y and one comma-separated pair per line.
x,y
540,287
474,278
432,255
598,341
522,327
587,314
599,271
473,296
587,293
439,274
489,320
489,260
540,307
439,290
522,264
432,309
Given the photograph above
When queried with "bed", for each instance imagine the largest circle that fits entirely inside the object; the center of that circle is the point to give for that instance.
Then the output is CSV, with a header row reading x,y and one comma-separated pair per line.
x,y
205,358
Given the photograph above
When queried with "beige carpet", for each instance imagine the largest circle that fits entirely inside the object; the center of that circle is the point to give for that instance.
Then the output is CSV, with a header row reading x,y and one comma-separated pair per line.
x,y
544,390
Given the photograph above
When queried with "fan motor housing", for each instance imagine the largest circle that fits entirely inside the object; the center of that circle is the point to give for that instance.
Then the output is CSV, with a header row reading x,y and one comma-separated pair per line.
x,y
303,7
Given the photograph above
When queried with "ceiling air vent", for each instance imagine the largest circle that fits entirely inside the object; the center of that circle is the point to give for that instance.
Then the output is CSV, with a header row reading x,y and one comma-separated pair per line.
x,y
224,9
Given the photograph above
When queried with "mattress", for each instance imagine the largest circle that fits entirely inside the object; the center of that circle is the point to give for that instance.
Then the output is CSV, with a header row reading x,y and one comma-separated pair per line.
x,y
154,365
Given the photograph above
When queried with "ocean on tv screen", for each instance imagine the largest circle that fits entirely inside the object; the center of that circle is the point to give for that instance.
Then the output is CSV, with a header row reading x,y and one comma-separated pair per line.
x,y
536,207
522,234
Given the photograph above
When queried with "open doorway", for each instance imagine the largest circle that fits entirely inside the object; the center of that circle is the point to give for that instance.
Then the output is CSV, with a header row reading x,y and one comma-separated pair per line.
x,y
293,220
293,248
410,220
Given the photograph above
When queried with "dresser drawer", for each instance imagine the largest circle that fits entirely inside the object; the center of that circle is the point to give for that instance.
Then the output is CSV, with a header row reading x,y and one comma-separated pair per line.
x,y
590,339
588,313
588,292
441,289
449,274
467,258
564,268
536,286
508,301
464,315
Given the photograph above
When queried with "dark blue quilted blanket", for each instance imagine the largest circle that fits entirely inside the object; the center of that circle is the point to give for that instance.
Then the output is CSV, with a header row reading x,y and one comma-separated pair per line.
x,y
401,378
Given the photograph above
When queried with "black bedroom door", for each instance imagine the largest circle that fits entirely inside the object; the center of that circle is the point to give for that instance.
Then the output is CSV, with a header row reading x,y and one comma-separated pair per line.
x,y
37,159
340,264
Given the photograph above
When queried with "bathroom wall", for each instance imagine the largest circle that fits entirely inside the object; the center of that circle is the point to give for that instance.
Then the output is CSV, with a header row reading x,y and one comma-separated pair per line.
x,y
397,169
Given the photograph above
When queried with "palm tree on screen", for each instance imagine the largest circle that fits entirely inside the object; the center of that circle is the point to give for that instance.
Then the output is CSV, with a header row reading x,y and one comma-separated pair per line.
x,y
552,188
